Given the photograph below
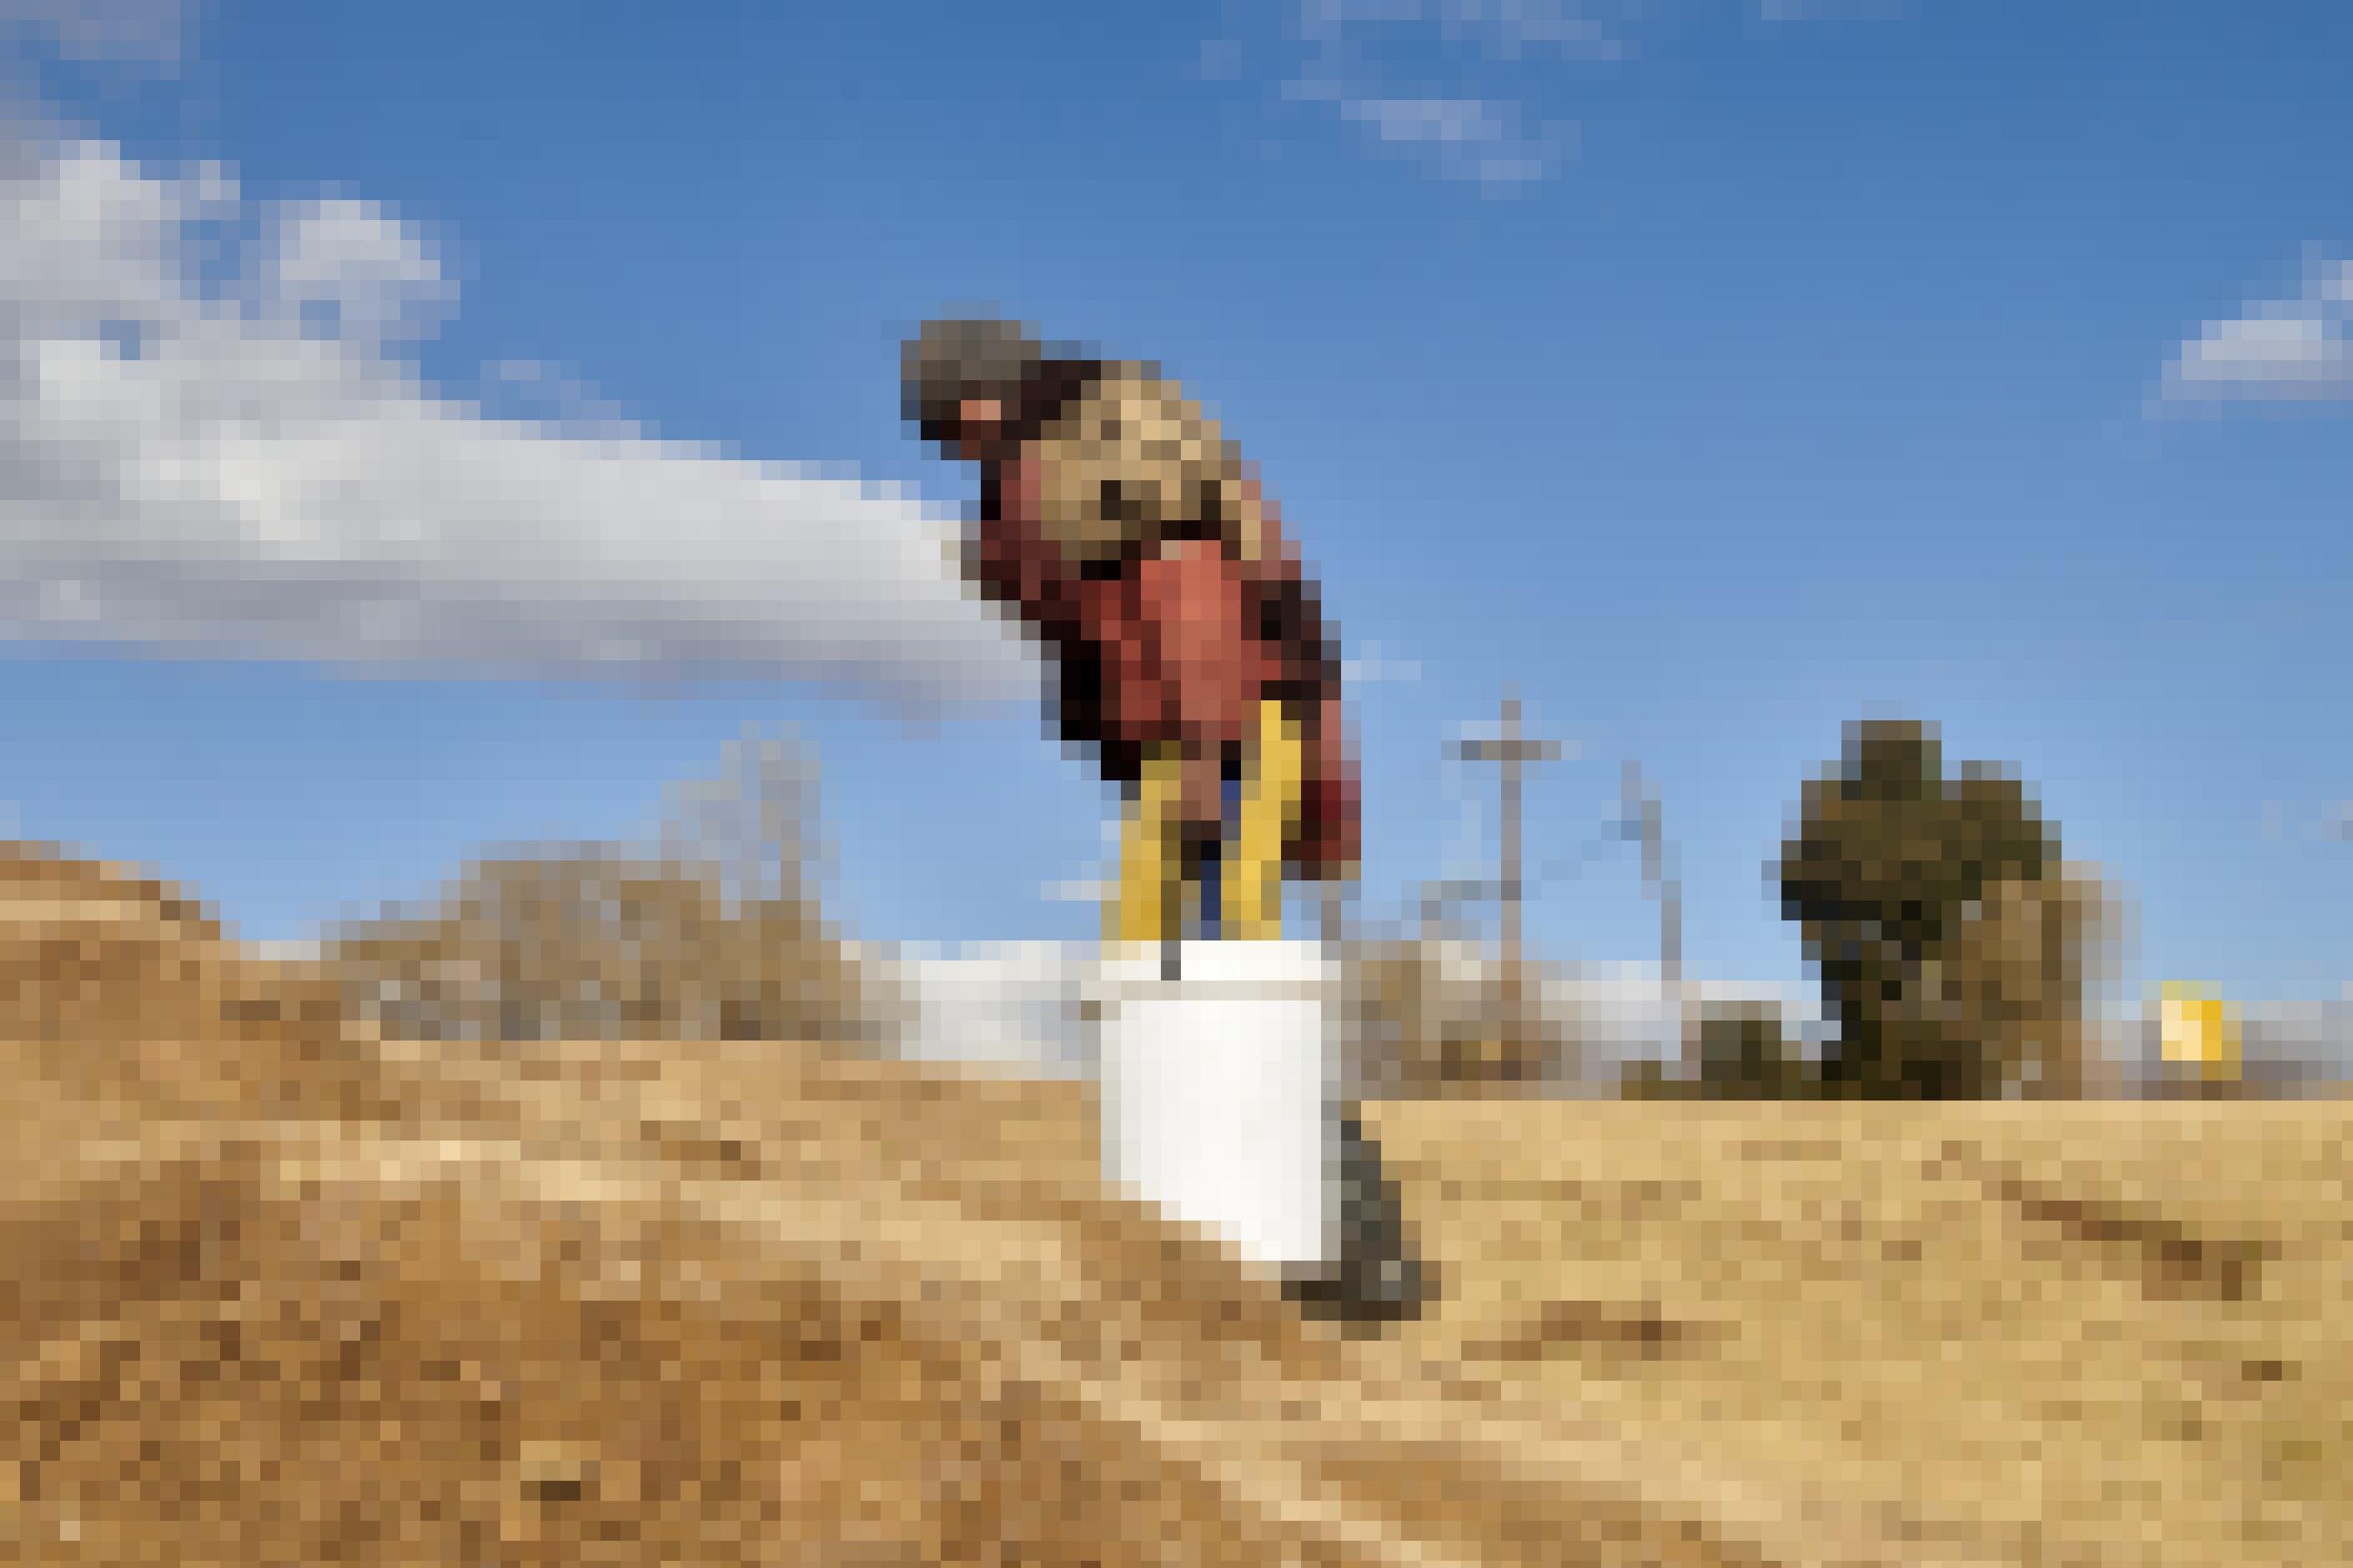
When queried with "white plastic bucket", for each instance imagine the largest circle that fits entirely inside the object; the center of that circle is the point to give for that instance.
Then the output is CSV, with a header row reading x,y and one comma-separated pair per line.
x,y
1216,1091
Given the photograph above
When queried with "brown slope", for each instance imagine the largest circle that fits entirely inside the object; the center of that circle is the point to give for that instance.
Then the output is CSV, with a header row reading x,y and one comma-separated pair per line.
x,y
2062,1333
285,1293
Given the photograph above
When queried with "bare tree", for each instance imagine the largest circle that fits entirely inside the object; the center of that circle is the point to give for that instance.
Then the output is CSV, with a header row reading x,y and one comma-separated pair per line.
x,y
718,935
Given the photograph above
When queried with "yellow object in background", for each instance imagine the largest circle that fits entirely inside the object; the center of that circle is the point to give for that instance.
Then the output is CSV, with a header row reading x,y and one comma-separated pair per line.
x,y
2199,1029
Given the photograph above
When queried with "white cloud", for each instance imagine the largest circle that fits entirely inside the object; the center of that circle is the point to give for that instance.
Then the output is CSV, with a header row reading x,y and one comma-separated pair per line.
x,y
253,467
2291,350
380,281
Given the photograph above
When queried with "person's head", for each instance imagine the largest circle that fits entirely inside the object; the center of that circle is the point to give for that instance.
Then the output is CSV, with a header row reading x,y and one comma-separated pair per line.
x,y
964,382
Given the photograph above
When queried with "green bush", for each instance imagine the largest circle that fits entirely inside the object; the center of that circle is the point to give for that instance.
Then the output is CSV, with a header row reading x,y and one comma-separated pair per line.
x,y
1950,942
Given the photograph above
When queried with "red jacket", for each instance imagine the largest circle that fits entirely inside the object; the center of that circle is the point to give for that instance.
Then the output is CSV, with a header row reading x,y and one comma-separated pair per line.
x,y
1178,647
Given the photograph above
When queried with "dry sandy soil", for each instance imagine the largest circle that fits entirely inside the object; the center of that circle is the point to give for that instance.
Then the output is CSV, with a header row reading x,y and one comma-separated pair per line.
x,y
281,1291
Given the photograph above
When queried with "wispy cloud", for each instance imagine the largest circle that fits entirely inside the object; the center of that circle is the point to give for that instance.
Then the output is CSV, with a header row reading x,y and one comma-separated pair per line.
x,y
1832,10
1460,85
144,34
1472,91
1510,27
240,457
1374,666
2291,350
2331,821
1475,139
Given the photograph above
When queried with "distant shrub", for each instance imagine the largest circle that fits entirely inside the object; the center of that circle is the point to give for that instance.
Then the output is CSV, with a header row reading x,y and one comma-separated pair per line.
x,y
1739,1051
717,936
1429,1018
591,945
1953,947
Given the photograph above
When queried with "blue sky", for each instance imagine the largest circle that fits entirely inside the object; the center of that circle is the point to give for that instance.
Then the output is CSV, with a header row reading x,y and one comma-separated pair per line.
x,y
1718,373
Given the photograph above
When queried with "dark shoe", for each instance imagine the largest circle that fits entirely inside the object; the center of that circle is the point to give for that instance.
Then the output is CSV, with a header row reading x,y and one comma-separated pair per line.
x,y
1378,1278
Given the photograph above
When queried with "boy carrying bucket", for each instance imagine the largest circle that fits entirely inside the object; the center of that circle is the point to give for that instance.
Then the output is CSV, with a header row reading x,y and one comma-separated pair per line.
x,y
1190,658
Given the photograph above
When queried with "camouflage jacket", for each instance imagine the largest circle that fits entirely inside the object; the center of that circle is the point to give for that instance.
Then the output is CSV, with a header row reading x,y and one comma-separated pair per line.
x,y
1129,538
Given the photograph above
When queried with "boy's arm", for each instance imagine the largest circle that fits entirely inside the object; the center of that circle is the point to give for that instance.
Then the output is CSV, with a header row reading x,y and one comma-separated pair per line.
x,y
1009,558
1327,844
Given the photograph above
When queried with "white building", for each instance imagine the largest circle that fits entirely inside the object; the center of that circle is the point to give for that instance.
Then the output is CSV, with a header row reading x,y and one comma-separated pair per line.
x,y
1018,1006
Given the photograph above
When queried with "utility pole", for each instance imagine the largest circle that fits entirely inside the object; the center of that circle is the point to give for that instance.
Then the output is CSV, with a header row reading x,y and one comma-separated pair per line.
x,y
1642,815
1511,751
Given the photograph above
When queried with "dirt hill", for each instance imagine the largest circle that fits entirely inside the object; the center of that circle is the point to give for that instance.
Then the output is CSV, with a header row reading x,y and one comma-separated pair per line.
x,y
285,1292
2086,1332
